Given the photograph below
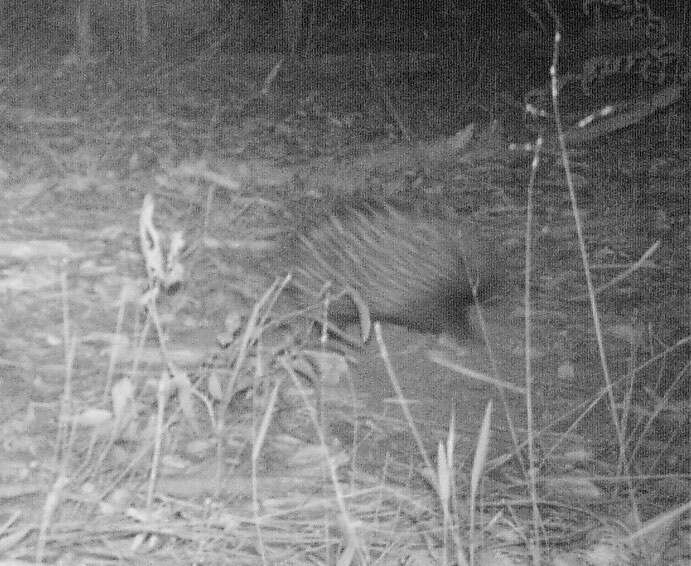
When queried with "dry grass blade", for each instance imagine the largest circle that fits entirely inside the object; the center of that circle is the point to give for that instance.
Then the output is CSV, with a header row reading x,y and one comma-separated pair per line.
x,y
438,358
354,545
429,468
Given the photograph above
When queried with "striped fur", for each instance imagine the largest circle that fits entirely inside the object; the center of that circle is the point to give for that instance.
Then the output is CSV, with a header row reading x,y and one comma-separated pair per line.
x,y
410,269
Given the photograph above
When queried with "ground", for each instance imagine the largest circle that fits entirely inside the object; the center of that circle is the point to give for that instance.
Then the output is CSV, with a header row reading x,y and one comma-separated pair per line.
x,y
114,431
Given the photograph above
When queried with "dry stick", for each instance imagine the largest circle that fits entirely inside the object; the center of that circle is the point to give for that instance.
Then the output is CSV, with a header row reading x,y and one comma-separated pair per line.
x,y
65,445
617,118
162,394
271,77
586,267
65,400
437,358
532,480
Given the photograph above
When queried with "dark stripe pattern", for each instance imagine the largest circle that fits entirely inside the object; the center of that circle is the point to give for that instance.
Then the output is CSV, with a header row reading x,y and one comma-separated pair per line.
x,y
409,268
